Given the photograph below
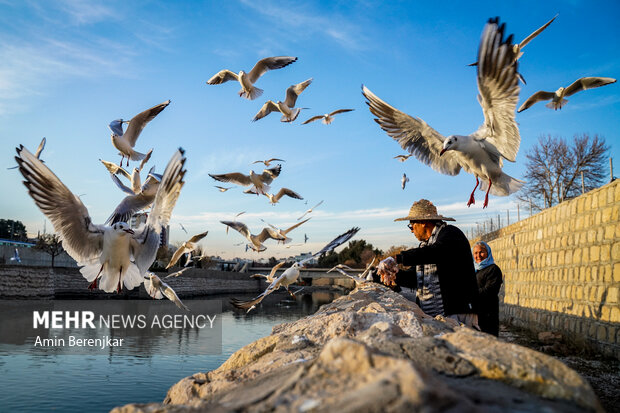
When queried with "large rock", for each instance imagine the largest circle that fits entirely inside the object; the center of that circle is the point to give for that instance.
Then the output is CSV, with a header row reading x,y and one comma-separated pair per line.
x,y
375,351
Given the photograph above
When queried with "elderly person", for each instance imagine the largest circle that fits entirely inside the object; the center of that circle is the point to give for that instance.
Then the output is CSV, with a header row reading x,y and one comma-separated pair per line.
x,y
442,268
489,278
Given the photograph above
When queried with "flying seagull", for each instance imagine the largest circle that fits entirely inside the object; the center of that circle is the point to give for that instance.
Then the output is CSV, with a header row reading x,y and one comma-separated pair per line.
x,y
37,153
287,108
306,238
223,189
186,248
125,141
518,47
256,241
182,227
403,158
158,289
291,274
404,181
328,117
274,199
309,210
481,152
282,233
271,276
104,252
178,273
247,80
267,162
261,182
359,279
15,256
139,196
557,97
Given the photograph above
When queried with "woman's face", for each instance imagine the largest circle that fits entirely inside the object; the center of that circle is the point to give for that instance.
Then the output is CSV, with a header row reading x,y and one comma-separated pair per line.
x,y
480,252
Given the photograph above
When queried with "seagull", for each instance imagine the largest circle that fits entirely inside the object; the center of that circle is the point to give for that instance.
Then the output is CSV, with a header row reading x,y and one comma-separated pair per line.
x,y
115,169
261,182
139,196
267,162
271,276
287,108
359,279
37,153
256,241
247,80
518,47
158,289
103,252
275,198
234,220
282,233
125,141
403,158
291,274
223,189
306,238
404,181
183,228
178,273
328,117
186,248
557,97
309,211
481,152
15,256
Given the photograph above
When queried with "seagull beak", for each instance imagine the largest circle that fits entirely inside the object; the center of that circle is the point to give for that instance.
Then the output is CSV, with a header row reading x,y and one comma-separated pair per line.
x,y
442,151
129,231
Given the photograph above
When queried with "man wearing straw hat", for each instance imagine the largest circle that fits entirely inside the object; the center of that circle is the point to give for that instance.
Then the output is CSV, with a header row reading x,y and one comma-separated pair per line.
x,y
442,271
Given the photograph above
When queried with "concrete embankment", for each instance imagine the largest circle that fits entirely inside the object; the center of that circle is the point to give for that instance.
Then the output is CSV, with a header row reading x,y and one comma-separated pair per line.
x,y
374,351
27,282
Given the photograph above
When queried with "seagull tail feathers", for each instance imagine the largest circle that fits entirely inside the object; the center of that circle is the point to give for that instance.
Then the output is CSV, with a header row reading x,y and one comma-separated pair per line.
x,y
254,93
136,156
296,112
245,305
327,120
503,186
557,105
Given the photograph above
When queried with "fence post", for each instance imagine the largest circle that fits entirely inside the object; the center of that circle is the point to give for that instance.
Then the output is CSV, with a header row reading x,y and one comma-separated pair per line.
x,y
611,170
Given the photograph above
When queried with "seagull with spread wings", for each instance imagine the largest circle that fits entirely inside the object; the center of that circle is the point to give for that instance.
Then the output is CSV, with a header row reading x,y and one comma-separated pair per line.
x,y
359,279
482,152
256,241
187,248
158,289
125,141
287,108
403,158
260,182
310,210
404,180
290,275
328,117
557,97
271,276
282,232
247,80
109,256
267,162
275,198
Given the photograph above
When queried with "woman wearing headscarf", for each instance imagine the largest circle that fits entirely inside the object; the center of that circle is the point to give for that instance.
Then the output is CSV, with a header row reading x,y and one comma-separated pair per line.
x,y
489,278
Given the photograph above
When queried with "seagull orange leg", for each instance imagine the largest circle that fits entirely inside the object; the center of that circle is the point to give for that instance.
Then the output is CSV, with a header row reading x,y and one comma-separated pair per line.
x,y
94,284
119,287
471,197
486,196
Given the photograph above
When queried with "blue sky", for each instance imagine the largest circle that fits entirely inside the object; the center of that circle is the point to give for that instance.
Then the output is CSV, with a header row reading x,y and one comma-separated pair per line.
x,y
67,68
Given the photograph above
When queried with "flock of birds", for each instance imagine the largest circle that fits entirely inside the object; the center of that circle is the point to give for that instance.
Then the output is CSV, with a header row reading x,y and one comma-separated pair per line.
x,y
113,255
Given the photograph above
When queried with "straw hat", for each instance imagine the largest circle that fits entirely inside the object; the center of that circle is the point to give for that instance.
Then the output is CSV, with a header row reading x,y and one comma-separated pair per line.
x,y
424,210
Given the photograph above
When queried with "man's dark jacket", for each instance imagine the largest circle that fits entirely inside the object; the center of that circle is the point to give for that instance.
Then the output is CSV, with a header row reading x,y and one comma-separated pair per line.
x,y
455,268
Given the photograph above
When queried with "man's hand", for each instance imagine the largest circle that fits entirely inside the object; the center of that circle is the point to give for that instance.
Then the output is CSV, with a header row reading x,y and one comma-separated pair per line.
x,y
387,269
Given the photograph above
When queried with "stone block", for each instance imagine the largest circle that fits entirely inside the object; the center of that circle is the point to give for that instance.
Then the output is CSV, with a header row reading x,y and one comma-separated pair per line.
x,y
613,295
606,214
610,231
605,252
615,314
601,333
615,272
595,252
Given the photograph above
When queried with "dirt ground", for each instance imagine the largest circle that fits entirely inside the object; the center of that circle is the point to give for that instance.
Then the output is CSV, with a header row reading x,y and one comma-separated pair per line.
x,y
602,373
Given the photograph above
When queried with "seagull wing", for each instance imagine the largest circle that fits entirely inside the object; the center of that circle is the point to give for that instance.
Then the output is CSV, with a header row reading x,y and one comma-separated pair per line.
x,y
116,126
177,254
267,108
222,76
146,241
172,296
138,122
147,157
587,83
40,148
269,63
340,239
287,192
239,227
294,91
274,159
128,207
536,33
286,231
340,111
248,305
498,86
267,233
121,185
413,135
80,237
312,119
270,174
115,169
536,97
234,177
320,202
198,237
177,273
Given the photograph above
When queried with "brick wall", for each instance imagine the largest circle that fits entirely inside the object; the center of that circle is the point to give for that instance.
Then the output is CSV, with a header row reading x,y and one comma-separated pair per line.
x,y
562,269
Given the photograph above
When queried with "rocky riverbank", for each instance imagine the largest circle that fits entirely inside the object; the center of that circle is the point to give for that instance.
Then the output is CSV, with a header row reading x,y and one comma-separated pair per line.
x,y
373,350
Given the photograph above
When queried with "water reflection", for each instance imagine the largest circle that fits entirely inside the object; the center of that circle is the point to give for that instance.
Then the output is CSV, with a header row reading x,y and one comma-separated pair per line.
x,y
33,380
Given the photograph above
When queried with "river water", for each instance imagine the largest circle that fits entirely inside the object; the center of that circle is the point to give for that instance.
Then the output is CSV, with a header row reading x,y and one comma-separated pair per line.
x,y
33,379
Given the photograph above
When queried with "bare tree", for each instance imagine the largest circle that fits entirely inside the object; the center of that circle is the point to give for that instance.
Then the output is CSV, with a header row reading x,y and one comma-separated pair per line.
x,y
50,244
554,169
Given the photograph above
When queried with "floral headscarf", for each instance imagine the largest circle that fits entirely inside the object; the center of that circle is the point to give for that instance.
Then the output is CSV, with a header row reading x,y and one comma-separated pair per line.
x,y
488,260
